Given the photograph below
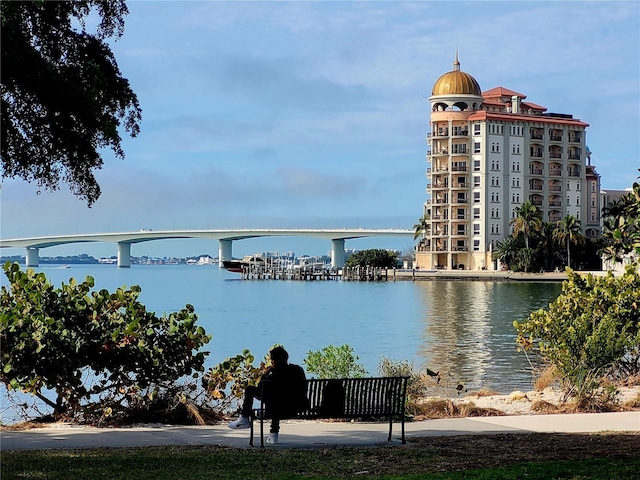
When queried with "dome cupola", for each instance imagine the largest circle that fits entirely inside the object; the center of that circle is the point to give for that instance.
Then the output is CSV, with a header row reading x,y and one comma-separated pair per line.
x,y
456,89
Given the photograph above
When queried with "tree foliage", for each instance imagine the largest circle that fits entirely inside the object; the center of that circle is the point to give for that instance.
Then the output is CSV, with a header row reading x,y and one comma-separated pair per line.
x,y
334,362
422,227
375,257
568,232
527,221
63,96
621,221
93,349
590,333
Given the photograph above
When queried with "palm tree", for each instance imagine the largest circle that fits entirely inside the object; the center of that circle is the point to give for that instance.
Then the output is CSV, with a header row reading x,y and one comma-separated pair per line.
x,y
506,250
422,227
568,231
526,221
546,244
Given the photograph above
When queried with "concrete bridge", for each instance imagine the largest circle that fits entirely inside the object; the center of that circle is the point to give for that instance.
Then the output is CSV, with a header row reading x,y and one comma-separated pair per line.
x,y
225,240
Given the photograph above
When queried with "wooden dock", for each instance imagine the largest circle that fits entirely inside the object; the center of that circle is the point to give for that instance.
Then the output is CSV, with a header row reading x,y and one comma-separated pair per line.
x,y
356,274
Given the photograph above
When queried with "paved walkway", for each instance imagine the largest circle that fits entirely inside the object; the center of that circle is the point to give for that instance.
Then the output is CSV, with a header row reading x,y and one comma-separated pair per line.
x,y
305,434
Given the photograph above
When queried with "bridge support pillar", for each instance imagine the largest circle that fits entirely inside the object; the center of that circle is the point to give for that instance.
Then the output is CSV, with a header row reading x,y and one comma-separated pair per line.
x,y
225,251
33,259
124,254
337,252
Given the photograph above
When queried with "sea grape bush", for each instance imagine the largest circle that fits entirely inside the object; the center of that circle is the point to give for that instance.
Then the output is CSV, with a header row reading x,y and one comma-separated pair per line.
x,y
590,333
92,349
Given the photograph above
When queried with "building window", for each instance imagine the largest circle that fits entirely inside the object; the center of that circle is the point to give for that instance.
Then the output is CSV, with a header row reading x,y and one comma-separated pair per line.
x,y
476,245
476,197
476,213
476,165
476,180
578,201
476,147
476,229
568,185
476,129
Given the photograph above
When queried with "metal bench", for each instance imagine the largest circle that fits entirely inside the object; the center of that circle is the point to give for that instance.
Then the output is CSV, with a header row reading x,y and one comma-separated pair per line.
x,y
346,398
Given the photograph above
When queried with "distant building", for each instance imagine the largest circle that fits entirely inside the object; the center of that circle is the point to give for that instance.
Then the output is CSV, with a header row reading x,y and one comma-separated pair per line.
x,y
489,152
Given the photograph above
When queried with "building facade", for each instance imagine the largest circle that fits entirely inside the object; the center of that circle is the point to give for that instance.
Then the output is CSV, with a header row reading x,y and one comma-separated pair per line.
x,y
489,152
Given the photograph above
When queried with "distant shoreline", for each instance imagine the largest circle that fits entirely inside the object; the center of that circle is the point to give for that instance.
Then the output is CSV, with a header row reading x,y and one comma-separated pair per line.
x,y
481,275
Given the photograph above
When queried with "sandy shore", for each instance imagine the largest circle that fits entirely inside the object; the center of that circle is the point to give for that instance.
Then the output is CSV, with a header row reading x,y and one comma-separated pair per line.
x,y
522,403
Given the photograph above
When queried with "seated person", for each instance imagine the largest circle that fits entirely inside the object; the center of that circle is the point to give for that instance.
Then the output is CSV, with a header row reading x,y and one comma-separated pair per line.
x,y
284,393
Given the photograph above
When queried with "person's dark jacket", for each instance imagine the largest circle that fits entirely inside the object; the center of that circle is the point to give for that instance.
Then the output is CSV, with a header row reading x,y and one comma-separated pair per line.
x,y
284,390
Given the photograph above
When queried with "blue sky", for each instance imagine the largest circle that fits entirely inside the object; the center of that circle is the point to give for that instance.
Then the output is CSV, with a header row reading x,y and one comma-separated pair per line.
x,y
314,114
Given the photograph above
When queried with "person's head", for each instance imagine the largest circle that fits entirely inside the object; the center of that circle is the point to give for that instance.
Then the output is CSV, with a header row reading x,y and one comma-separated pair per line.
x,y
279,356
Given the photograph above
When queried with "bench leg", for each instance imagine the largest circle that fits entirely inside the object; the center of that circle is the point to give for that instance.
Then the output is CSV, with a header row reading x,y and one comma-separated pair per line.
x,y
404,441
261,431
390,427
251,431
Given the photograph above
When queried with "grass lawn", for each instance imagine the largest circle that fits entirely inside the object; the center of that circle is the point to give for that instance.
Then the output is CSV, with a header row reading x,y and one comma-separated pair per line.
x,y
530,456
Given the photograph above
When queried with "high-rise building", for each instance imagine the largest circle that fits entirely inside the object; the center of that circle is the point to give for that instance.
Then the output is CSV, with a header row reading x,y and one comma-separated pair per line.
x,y
489,152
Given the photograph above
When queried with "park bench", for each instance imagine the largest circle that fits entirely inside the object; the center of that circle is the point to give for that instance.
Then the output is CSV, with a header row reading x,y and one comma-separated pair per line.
x,y
346,398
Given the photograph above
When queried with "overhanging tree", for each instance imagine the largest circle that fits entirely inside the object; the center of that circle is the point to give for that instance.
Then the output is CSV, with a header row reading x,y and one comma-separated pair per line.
x,y
63,96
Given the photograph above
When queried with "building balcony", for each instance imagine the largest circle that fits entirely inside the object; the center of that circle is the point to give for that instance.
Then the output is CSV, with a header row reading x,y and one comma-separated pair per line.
x,y
536,136
461,185
460,200
575,138
536,171
536,154
537,203
537,188
459,168
555,188
574,156
460,249
555,154
441,133
460,133
555,173
444,151
574,173
555,138
555,203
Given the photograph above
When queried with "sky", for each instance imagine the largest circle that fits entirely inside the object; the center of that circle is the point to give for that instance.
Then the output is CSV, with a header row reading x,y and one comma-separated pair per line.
x,y
314,114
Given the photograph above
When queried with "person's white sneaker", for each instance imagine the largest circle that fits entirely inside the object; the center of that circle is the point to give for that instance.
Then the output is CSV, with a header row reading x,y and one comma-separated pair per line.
x,y
242,422
273,439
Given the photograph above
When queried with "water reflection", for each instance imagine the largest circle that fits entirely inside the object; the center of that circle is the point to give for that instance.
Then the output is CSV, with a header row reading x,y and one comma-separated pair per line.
x,y
467,329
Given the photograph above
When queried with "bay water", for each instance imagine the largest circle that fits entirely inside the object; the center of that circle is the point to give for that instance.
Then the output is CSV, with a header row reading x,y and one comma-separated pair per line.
x,y
458,327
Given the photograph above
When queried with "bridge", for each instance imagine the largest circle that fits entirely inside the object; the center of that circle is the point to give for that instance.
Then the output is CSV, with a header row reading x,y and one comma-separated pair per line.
x,y
225,239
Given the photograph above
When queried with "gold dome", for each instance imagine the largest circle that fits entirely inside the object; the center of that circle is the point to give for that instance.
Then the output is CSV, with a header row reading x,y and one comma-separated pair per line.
x,y
456,82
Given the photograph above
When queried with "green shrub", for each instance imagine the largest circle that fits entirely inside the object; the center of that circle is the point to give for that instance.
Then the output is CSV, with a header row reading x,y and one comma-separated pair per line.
x,y
334,362
97,351
590,333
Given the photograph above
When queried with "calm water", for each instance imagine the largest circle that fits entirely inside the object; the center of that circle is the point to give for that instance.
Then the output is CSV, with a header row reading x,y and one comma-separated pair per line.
x,y
461,327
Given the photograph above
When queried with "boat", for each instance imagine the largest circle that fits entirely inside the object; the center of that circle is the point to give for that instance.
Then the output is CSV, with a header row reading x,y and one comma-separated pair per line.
x,y
237,266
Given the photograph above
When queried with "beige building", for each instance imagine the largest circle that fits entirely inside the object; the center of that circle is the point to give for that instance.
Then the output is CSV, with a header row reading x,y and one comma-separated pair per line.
x,y
488,152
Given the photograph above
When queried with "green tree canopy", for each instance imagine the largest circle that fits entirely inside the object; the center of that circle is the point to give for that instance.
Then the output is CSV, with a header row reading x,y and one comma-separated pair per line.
x,y
568,232
422,227
527,221
59,338
621,234
375,257
63,96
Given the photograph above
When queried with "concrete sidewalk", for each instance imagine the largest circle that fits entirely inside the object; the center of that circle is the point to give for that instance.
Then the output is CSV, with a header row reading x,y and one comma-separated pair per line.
x,y
305,434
